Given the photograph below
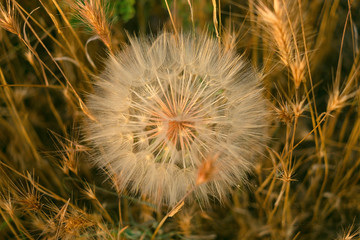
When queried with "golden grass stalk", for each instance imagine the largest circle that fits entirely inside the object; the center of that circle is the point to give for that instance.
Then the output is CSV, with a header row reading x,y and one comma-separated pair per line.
x,y
282,31
7,18
93,14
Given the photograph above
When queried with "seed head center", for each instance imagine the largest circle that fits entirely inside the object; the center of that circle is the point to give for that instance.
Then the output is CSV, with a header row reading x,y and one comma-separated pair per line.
x,y
180,133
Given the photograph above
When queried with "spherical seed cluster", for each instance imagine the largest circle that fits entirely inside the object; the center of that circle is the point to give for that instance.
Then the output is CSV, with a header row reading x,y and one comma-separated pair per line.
x,y
165,105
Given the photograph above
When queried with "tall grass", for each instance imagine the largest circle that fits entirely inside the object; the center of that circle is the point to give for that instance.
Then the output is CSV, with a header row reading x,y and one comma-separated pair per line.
x,y
304,186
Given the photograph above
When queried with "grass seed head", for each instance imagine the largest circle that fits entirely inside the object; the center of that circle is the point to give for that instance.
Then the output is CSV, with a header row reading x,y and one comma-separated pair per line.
x,y
7,18
7,204
93,14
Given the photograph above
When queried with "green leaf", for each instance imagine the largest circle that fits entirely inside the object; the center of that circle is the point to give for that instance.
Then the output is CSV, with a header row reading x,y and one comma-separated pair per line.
x,y
123,8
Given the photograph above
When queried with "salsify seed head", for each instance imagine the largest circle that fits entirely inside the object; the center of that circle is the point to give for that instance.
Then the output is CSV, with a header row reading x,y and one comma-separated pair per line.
x,y
166,105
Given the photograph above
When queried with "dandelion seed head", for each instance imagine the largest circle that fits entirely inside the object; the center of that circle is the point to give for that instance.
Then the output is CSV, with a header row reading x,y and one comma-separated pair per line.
x,y
165,105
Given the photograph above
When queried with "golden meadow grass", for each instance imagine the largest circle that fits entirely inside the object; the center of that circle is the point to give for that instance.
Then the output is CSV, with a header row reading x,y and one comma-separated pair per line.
x,y
72,93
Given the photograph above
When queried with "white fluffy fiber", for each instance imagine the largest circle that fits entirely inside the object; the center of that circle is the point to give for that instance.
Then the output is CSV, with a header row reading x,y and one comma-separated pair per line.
x,y
164,105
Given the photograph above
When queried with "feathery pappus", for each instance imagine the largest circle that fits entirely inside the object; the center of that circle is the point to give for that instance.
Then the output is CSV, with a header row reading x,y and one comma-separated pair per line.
x,y
168,104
